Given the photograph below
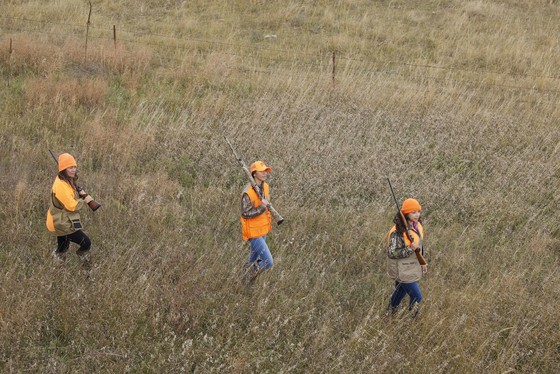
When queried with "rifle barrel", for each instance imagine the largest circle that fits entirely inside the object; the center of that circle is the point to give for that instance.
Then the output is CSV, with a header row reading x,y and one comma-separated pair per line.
x,y
53,156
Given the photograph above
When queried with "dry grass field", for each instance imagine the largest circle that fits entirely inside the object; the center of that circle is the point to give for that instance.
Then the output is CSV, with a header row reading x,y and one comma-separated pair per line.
x,y
456,101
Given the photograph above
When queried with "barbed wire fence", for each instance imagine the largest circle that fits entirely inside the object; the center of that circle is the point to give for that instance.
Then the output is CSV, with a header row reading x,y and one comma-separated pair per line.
x,y
263,59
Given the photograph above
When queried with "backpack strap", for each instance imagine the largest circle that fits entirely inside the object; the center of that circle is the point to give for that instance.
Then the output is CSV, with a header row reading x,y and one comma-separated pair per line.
x,y
54,200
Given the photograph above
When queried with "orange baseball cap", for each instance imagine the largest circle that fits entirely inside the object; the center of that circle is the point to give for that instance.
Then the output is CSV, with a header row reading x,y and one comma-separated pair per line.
x,y
65,161
410,205
259,166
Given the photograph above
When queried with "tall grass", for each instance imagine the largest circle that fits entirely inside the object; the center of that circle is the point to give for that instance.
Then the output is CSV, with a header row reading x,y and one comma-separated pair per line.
x,y
455,101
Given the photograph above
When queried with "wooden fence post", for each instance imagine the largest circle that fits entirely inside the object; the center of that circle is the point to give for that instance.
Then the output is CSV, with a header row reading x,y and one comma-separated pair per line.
x,y
10,62
87,31
333,66
115,36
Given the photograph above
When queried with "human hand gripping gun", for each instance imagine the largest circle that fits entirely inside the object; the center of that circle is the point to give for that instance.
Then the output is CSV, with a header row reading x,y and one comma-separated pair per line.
x,y
93,205
417,251
277,217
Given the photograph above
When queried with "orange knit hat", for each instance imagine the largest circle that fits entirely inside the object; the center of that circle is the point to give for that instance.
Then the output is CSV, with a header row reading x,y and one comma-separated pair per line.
x,y
410,205
65,161
259,166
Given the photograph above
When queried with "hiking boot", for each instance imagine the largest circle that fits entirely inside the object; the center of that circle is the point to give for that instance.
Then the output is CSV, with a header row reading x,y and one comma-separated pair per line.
x,y
391,311
58,257
86,259
414,310
250,274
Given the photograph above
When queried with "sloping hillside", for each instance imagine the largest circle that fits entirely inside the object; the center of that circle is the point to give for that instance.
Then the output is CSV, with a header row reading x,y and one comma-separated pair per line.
x,y
456,102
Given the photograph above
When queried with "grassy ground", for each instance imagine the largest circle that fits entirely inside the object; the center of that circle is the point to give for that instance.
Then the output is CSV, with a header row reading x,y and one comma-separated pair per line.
x,y
456,101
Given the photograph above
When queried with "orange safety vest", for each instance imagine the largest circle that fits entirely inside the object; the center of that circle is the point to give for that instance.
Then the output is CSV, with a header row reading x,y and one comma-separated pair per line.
x,y
260,225
417,239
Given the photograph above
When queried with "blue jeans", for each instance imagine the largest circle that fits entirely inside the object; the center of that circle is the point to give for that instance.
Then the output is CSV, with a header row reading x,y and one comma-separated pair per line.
x,y
260,254
403,289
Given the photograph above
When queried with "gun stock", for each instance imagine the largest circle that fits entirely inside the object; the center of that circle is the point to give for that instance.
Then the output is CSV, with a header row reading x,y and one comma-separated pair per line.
x,y
277,217
418,253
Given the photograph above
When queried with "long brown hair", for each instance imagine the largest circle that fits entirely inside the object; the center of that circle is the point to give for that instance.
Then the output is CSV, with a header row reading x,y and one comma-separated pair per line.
x,y
398,223
72,181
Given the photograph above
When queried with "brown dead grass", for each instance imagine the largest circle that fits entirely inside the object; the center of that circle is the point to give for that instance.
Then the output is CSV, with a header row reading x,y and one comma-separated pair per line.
x,y
456,102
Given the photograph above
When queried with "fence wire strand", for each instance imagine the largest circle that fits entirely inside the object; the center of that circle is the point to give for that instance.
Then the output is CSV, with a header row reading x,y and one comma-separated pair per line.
x,y
319,59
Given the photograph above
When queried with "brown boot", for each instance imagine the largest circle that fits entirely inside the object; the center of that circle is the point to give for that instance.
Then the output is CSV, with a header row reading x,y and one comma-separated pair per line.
x,y
250,274
59,257
86,259
414,310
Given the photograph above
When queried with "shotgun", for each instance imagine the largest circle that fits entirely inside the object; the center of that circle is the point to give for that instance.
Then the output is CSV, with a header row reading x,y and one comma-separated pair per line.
x,y
419,255
277,217
93,205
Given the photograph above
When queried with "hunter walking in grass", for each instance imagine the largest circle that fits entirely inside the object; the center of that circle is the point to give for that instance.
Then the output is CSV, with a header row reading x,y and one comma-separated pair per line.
x,y
405,262
63,217
256,222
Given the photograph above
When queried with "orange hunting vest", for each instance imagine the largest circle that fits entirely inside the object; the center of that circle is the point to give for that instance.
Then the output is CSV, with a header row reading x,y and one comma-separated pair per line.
x,y
412,232
260,225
